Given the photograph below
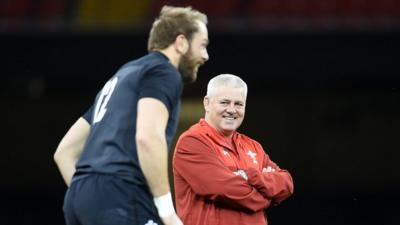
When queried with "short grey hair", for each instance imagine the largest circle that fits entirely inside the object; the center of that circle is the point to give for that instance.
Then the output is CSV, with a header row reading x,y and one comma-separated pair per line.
x,y
225,80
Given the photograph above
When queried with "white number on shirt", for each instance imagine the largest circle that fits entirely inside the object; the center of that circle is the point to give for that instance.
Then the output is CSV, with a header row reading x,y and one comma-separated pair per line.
x,y
103,99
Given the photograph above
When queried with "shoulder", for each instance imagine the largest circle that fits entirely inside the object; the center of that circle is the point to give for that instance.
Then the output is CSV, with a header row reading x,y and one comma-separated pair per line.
x,y
159,79
153,64
193,142
195,132
249,141
164,70
158,64
245,138
164,75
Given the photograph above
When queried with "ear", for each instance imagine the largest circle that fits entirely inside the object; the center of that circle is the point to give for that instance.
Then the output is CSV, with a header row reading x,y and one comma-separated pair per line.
x,y
206,103
181,44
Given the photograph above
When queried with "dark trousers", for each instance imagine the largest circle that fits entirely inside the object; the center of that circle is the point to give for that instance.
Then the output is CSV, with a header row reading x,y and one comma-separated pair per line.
x,y
99,199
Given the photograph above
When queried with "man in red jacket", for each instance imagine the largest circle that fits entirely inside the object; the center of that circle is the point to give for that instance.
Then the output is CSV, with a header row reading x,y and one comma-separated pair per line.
x,y
223,177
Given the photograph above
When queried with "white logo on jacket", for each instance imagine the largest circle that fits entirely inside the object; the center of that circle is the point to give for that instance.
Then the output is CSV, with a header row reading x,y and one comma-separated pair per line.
x,y
252,156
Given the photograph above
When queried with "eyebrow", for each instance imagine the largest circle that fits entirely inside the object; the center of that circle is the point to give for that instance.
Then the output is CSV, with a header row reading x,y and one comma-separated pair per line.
x,y
229,100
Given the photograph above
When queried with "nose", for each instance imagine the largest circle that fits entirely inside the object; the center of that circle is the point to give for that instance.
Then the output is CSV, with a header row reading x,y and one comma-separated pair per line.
x,y
205,56
231,108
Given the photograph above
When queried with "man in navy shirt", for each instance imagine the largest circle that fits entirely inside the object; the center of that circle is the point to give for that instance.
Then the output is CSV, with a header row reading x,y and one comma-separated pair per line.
x,y
114,158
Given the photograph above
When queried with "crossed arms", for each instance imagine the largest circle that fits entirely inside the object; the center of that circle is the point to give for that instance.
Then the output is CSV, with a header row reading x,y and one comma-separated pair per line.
x,y
196,163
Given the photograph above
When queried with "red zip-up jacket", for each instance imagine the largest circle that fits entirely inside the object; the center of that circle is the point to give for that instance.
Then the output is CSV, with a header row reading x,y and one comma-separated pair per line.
x,y
210,186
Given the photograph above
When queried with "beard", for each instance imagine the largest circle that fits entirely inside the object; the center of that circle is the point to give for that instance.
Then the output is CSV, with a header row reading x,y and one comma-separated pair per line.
x,y
188,67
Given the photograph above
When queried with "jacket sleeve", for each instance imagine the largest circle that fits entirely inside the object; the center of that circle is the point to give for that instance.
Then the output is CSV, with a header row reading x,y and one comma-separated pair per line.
x,y
197,163
276,184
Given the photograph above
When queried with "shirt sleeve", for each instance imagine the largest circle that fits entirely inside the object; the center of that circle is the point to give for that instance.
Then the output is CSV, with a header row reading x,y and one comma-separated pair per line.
x,y
207,176
88,115
277,184
162,83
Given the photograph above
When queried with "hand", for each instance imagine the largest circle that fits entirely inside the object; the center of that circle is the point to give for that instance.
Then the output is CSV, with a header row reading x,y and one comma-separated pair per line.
x,y
172,219
268,170
241,173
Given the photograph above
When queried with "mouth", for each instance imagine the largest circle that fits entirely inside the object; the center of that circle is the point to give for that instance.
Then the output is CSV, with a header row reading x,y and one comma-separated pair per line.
x,y
229,117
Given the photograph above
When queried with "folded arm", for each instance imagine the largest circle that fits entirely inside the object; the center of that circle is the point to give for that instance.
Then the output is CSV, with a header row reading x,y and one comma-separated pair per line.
x,y
273,182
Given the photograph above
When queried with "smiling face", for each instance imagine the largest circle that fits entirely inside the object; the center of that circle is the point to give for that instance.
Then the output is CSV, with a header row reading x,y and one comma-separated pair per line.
x,y
225,109
196,55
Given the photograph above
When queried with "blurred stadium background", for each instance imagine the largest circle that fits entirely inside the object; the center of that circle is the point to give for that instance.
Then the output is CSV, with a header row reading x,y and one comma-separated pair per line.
x,y
324,96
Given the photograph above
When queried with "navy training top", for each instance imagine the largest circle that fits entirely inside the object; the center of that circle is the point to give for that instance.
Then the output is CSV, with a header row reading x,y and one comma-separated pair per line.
x,y
111,146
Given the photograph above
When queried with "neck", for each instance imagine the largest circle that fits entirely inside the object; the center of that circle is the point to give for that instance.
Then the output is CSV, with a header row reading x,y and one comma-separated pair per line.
x,y
227,136
172,55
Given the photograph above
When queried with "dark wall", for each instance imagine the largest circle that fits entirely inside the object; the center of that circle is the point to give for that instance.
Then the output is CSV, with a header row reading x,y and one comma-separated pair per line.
x,y
324,105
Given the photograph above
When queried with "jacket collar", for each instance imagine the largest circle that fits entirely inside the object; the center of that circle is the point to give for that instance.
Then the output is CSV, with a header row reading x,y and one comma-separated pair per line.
x,y
216,136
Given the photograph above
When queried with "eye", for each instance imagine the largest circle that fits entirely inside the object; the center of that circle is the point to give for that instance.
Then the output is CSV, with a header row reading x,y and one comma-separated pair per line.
x,y
224,103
